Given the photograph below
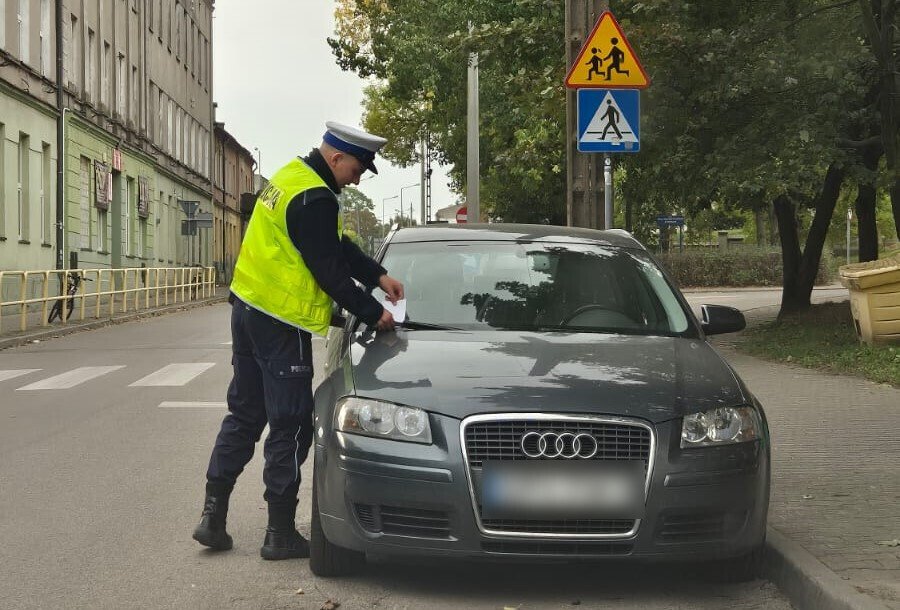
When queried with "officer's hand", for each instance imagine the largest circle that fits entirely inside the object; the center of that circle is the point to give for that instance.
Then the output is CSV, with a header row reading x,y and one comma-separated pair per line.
x,y
392,288
386,322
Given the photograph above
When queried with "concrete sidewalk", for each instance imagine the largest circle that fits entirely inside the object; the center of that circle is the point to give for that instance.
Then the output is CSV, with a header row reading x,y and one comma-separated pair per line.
x,y
835,507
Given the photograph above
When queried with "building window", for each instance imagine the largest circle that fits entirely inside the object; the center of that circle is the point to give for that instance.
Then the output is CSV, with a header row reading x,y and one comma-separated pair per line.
x,y
22,186
126,215
134,94
171,126
91,72
102,230
71,53
120,84
104,74
24,31
161,118
162,227
46,216
85,194
178,17
45,38
2,173
142,237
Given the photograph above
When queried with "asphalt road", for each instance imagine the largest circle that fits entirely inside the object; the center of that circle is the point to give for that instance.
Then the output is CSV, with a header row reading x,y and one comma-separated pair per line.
x,y
103,451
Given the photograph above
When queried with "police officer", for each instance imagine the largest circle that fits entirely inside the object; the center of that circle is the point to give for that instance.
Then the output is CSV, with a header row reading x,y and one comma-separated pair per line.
x,y
293,262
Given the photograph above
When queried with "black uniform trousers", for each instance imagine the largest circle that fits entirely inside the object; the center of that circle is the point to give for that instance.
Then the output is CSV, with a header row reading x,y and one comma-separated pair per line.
x,y
272,384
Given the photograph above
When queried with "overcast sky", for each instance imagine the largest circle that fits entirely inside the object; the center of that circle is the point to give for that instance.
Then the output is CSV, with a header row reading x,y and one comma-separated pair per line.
x,y
276,83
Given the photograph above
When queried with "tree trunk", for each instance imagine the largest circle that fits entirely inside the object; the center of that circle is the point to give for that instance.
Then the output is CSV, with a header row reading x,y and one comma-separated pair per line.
x,y
801,269
760,227
865,209
895,204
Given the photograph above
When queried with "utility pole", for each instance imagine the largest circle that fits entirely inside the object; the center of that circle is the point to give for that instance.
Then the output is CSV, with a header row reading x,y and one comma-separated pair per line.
x,y
473,176
584,172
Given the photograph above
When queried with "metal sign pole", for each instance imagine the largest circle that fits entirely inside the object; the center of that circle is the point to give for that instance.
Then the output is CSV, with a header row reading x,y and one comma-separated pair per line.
x,y
608,192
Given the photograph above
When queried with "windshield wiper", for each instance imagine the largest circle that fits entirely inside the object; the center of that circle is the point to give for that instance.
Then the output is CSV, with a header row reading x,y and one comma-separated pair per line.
x,y
410,325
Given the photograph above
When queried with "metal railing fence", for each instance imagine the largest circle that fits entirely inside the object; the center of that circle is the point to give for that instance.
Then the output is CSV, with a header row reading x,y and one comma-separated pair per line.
x,y
100,290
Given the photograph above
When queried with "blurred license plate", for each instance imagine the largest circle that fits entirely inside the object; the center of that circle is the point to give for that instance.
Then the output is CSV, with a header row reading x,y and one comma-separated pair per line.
x,y
543,489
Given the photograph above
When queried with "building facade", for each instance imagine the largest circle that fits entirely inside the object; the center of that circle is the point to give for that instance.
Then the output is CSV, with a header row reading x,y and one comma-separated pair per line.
x,y
131,133
233,171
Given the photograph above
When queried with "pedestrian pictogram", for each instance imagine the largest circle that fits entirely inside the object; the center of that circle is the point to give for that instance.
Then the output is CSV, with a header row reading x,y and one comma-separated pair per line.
x,y
606,60
608,120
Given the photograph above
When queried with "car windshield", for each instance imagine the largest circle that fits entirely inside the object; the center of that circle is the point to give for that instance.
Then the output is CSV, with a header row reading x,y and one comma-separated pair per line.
x,y
535,286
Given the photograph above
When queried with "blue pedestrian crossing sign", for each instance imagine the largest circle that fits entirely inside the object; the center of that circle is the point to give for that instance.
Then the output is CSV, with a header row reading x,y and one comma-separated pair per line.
x,y
609,120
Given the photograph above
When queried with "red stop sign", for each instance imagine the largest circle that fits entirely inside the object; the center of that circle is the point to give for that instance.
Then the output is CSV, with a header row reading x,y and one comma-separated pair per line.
x,y
462,214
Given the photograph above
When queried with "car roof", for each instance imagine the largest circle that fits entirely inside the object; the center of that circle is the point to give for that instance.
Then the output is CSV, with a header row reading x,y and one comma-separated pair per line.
x,y
514,232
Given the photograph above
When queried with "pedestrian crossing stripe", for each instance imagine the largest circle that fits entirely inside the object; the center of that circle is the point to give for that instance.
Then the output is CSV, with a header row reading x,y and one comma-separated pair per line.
x,y
607,61
176,374
171,404
72,378
13,373
609,120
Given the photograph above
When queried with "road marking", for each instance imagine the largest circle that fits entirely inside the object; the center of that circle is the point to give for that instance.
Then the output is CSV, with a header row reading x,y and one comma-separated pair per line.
x,y
13,373
71,378
192,405
227,343
176,374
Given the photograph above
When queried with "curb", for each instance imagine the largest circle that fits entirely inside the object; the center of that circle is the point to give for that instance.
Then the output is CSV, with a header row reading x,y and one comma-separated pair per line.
x,y
74,327
806,581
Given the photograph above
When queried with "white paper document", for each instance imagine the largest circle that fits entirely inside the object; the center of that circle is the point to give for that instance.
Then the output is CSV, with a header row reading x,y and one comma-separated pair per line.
x,y
398,310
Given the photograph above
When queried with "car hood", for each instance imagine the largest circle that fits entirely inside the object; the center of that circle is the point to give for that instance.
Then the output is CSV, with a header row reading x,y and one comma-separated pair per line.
x,y
459,373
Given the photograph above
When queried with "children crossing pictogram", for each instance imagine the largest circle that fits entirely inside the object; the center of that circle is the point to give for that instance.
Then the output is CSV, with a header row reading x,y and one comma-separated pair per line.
x,y
607,60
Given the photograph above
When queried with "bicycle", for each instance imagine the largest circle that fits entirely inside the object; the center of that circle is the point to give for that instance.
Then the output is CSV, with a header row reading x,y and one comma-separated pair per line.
x,y
73,281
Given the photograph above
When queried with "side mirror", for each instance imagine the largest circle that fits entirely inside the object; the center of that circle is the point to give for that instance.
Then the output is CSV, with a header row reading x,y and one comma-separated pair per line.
x,y
718,319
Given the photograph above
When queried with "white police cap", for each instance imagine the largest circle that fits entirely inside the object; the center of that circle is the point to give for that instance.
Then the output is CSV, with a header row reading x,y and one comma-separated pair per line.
x,y
356,142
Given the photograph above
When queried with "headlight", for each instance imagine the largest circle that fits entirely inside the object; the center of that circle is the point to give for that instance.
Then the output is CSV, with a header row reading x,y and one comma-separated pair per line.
x,y
383,420
721,426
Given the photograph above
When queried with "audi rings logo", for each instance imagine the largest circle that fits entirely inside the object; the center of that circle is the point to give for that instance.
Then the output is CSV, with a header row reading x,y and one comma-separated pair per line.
x,y
565,445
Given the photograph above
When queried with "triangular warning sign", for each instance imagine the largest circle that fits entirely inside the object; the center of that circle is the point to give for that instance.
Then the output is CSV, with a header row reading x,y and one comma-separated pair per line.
x,y
609,125
606,60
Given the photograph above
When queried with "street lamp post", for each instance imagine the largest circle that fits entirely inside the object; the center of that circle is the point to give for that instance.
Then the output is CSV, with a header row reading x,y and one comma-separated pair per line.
x,y
258,163
401,200
384,201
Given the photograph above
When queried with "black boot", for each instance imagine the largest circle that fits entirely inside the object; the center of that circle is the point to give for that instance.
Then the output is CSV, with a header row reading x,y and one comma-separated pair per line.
x,y
211,529
283,541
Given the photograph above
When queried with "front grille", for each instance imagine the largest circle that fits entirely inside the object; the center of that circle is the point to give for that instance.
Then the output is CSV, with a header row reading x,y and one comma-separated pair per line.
x,y
517,547
403,521
500,440
701,527
562,526
498,437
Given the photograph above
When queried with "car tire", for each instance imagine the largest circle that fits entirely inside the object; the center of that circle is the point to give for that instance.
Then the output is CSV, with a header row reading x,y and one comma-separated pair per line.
x,y
327,559
740,569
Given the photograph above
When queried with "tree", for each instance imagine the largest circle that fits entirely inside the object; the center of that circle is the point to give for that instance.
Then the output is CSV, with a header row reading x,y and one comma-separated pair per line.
x,y
879,18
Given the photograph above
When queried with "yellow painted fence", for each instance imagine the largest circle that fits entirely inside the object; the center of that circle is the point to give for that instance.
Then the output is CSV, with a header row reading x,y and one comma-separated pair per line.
x,y
98,292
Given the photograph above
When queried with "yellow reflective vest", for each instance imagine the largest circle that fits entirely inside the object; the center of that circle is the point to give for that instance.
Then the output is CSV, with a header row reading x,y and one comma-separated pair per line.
x,y
270,274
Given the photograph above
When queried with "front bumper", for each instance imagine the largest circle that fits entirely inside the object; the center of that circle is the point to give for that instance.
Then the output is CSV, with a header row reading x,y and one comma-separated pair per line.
x,y
396,498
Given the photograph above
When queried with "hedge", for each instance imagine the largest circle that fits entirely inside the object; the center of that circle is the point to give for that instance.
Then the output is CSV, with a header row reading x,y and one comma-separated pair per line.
x,y
736,267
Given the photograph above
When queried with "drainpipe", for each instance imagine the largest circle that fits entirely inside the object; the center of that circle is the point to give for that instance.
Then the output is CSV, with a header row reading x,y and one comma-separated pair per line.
x,y
60,141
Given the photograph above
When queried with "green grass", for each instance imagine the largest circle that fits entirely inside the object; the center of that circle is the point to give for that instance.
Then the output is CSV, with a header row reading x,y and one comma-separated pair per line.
x,y
823,338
